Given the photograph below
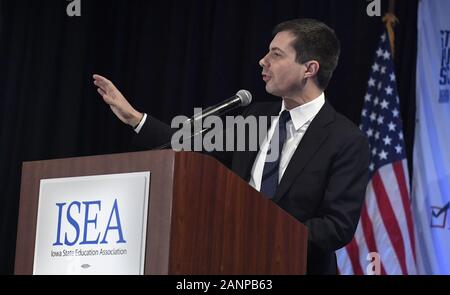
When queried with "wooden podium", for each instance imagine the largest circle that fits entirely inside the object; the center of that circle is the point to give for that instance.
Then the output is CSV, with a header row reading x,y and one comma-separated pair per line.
x,y
202,218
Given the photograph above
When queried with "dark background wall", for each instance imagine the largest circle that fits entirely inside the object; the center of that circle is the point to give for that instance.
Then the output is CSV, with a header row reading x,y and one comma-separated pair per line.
x,y
167,57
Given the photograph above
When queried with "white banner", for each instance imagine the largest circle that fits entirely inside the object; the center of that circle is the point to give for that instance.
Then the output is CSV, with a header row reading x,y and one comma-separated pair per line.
x,y
92,225
431,175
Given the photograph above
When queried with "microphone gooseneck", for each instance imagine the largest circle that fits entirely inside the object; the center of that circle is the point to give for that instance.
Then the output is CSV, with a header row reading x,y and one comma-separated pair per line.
x,y
241,98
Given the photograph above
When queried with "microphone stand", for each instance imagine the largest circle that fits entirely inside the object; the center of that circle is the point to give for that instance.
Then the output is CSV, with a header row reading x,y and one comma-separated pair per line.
x,y
169,143
219,111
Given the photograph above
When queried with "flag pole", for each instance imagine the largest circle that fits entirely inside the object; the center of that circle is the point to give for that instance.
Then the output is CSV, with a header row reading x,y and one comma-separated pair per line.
x,y
390,20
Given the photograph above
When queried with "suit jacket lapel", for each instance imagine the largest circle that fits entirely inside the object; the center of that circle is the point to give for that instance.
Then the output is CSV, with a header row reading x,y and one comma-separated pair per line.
x,y
312,140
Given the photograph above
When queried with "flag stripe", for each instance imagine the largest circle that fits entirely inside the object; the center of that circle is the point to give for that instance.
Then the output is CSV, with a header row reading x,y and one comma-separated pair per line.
x,y
401,179
353,253
382,239
369,235
392,188
345,256
344,262
389,220
383,242
362,245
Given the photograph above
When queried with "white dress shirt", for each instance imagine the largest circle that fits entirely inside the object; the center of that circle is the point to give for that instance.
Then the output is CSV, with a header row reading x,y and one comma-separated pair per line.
x,y
139,126
296,128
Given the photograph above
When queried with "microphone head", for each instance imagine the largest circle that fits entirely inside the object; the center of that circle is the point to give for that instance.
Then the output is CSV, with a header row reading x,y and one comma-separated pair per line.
x,y
245,96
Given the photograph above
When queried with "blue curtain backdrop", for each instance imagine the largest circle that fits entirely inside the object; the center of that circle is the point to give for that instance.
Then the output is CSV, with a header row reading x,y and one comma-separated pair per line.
x,y
167,57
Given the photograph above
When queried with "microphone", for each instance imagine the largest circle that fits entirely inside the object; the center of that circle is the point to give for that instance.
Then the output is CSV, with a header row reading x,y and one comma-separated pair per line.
x,y
240,99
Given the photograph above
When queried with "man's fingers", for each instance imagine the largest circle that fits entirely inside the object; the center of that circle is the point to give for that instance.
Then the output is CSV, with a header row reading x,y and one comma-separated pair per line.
x,y
102,93
102,81
102,84
106,86
96,76
105,96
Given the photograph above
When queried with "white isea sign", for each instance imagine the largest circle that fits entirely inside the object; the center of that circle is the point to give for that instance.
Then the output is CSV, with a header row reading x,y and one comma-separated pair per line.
x,y
92,225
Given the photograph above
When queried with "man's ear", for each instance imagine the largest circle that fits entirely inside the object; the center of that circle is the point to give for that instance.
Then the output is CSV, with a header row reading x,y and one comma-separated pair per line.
x,y
312,68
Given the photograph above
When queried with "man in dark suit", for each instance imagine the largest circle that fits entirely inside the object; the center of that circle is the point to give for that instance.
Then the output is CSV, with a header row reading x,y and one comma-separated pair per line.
x,y
320,171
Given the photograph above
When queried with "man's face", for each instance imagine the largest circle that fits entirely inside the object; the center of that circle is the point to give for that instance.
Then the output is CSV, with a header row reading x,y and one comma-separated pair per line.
x,y
282,74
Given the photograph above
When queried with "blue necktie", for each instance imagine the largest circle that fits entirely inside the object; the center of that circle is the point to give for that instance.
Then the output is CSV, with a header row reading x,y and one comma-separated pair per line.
x,y
269,181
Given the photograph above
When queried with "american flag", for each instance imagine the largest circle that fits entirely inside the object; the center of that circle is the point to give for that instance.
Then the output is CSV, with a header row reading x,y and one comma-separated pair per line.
x,y
385,228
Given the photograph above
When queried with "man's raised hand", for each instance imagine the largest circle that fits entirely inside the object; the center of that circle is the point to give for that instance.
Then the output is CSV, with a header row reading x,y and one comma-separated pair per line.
x,y
116,101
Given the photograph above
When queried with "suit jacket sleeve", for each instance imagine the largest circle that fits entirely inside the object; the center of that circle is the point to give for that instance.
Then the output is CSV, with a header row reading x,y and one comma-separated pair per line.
x,y
343,199
153,133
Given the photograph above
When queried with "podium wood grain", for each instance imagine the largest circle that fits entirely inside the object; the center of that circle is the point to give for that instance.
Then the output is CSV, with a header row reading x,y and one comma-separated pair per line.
x,y
203,219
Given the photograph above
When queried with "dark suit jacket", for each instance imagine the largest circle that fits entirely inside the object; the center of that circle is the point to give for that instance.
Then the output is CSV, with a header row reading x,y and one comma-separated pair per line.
x,y
323,185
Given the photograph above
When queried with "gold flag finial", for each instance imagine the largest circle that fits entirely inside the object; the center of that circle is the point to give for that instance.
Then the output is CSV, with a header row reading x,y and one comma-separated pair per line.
x,y
390,20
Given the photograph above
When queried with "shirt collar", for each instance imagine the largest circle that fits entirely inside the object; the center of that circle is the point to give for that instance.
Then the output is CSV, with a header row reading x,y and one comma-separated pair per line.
x,y
306,112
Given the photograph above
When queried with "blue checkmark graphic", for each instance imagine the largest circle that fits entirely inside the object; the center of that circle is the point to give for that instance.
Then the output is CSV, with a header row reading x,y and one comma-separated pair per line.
x,y
441,210
439,215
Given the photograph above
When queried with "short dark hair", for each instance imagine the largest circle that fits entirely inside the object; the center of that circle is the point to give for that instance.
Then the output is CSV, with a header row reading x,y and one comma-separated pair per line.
x,y
314,41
